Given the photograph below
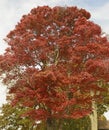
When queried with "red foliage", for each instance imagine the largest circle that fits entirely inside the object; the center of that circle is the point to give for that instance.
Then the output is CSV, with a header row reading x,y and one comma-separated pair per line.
x,y
55,59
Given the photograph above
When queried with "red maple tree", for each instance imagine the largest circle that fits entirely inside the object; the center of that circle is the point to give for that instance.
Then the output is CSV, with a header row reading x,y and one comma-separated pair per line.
x,y
56,58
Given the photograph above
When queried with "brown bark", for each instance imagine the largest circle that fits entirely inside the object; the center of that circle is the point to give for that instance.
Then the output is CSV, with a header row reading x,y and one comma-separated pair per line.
x,y
51,124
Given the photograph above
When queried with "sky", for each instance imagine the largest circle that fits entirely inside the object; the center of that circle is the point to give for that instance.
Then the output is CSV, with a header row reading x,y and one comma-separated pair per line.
x,y
11,12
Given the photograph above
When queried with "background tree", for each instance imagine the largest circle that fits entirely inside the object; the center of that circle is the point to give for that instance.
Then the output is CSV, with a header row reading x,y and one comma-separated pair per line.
x,y
11,119
56,64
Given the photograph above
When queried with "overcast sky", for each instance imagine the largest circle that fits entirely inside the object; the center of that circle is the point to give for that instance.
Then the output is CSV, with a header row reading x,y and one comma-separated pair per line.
x,y
11,12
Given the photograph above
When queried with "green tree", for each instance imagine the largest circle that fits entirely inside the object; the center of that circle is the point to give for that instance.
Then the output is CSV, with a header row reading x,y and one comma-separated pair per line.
x,y
11,118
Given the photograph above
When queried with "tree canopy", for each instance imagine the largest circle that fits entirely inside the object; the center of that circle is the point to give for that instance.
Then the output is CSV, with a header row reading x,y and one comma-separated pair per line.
x,y
57,63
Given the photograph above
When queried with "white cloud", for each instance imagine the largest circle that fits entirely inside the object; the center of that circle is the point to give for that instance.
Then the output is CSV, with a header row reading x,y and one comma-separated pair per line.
x,y
106,114
100,16
102,12
2,94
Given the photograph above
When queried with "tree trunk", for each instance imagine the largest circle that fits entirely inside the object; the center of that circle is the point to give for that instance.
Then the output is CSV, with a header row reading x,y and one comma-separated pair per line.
x,y
93,117
51,124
